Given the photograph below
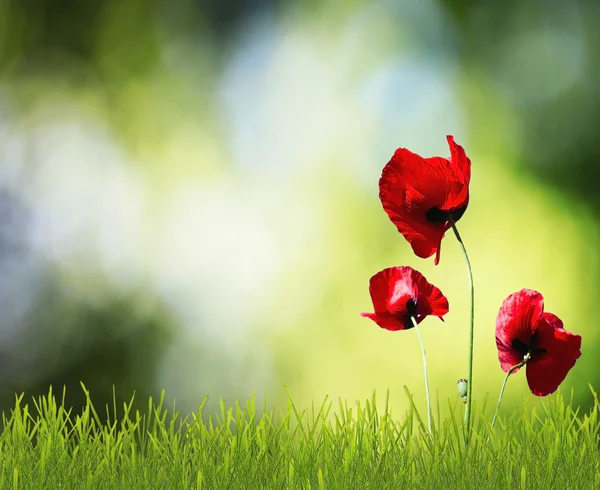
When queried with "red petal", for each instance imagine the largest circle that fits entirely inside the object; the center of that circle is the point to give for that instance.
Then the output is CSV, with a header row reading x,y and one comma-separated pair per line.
x,y
406,207
390,291
385,321
518,317
379,289
438,252
553,320
446,179
402,288
434,177
545,372
460,159
507,356
391,288
431,176
424,237
430,301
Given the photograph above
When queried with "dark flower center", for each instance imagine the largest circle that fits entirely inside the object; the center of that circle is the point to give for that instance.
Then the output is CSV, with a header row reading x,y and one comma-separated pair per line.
x,y
411,310
437,215
523,348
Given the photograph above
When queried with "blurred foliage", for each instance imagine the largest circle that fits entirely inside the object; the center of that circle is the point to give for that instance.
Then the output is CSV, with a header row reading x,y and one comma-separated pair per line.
x,y
116,356
543,58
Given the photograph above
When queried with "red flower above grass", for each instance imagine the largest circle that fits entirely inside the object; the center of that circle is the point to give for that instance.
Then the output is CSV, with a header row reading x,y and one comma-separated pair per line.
x,y
424,196
399,293
523,328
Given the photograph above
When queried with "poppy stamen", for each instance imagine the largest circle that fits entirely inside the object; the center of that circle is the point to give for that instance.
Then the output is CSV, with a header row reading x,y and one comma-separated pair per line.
x,y
411,308
436,215
521,346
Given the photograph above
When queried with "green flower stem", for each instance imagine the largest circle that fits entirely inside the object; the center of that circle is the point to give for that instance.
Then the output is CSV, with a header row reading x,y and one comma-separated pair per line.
x,y
510,371
425,369
471,333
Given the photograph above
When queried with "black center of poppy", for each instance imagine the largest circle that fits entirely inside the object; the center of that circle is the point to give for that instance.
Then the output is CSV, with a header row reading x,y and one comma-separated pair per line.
x,y
437,215
523,348
411,311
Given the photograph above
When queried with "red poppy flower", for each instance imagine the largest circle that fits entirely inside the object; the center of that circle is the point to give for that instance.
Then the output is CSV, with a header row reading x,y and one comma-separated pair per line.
x,y
424,196
522,327
399,293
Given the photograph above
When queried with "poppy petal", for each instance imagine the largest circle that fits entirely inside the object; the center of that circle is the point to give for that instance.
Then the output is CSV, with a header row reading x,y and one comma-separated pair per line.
x,y
446,179
508,356
379,289
553,320
402,288
518,317
407,209
385,321
545,372
460,159
424,239
431,301
438,181
438,252
391,288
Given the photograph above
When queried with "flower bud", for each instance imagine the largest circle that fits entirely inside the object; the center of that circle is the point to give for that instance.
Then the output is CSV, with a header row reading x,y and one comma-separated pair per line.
x,y
462,388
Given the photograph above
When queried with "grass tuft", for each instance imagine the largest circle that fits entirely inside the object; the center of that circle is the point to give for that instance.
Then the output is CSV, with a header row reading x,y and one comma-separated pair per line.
x,y
44,446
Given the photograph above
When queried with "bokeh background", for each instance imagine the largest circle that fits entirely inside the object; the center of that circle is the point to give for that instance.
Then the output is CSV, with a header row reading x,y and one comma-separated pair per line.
x,y
188,191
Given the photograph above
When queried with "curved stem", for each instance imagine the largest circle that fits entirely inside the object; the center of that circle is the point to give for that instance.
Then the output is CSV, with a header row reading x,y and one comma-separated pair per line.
x,y
425,369
510,371
471,332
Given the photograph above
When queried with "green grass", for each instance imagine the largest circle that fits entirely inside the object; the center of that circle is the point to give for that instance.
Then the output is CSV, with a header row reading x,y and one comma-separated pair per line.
x,y
44,446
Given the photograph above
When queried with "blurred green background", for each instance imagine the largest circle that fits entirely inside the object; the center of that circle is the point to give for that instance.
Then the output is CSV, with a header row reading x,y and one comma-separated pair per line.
x,y
188,191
